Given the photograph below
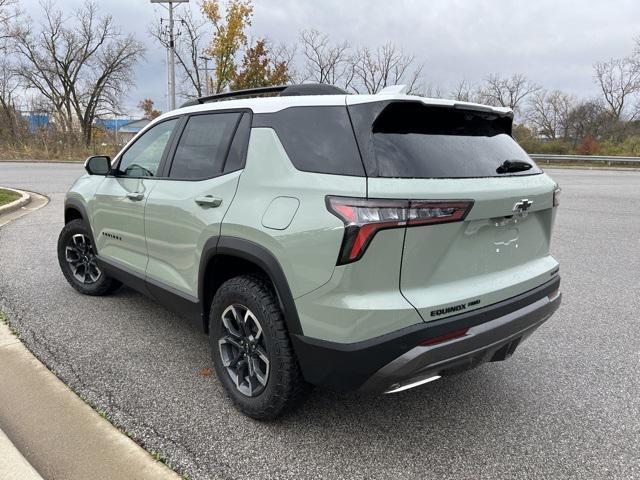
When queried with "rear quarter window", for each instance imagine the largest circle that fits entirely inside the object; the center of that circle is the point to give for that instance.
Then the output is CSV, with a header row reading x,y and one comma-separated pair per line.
x,y
316,139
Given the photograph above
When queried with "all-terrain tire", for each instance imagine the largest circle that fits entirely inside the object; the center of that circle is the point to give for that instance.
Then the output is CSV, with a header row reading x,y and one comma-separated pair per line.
x,y
94,284
285,387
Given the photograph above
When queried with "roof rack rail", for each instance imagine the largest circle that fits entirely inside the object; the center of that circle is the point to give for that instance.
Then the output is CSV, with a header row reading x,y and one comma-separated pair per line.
x,y
249,92
282,90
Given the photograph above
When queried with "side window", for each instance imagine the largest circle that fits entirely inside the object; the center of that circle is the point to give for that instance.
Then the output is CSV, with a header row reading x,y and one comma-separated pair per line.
x,y
203,146
238,150
143,158
316,139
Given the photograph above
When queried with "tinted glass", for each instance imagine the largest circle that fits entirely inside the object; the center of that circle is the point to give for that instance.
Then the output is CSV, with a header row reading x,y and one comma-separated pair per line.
x,y
203,146
413,140
238,150
317,139
143,157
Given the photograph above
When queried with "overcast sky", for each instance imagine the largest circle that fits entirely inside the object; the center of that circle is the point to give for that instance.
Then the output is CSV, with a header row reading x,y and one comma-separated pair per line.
x,y
553,42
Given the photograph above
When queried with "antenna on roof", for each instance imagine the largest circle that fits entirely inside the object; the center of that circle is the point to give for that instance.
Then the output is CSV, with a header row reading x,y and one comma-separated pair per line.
x,y
393,90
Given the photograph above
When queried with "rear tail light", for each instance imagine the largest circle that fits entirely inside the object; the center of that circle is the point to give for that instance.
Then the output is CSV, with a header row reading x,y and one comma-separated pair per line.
x,y
556,196
363,218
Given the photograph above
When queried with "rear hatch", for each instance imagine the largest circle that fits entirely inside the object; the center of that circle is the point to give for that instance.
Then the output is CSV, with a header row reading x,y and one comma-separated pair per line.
x,y
464,159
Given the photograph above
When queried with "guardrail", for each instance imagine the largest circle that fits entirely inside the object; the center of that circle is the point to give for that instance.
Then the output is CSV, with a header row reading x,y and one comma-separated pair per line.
x,y
589,159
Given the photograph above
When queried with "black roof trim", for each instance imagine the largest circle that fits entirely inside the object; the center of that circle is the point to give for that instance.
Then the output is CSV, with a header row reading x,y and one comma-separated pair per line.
x,y
281,90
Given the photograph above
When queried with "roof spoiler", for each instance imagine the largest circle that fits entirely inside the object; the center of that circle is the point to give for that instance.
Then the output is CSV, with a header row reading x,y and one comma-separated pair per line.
x,y
505,112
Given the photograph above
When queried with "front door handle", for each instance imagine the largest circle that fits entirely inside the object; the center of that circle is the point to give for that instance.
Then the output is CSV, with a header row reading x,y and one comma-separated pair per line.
x,y
135,196
209,201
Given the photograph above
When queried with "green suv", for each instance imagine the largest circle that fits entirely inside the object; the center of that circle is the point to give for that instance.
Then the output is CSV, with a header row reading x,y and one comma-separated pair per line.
x,y
354,242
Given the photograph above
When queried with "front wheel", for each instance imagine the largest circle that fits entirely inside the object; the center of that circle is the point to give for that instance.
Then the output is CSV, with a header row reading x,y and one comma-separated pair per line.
x,y
252,353
76,255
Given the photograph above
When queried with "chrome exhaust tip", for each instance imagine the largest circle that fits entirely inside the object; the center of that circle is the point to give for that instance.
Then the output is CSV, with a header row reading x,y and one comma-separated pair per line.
x,y
399,388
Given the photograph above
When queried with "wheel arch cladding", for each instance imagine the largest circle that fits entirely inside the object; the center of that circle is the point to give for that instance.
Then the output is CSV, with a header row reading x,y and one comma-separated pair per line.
x,y
75,210
226,257
72,213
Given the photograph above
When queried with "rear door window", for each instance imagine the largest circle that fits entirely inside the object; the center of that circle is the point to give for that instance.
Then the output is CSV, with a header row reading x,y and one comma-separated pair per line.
x,y
413,140
203,146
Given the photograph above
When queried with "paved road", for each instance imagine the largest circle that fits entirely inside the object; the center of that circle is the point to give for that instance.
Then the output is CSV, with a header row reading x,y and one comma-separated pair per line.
x,y
567,405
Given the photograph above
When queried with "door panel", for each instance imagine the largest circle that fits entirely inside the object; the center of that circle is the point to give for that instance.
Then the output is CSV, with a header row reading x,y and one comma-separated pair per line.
x,y
178,224
183,212
118,213
118,220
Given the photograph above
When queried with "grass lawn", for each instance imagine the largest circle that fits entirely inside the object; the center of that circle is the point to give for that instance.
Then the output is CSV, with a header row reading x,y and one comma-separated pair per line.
x,y
7,196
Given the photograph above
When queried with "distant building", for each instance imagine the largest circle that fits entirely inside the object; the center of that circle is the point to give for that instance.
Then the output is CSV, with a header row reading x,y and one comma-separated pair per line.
x,y
112,124
35,120
127,131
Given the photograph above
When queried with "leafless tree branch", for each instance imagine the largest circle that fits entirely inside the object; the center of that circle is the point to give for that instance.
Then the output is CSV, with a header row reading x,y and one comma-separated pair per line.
x,y
325,62
618,80
81,65
548,113
506,92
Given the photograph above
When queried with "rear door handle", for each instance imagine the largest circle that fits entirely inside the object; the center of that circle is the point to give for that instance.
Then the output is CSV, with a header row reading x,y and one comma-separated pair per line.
x,y
135,196
209,201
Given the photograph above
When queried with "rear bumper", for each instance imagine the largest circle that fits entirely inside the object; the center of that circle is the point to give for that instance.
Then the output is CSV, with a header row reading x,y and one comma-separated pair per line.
x,y
397,359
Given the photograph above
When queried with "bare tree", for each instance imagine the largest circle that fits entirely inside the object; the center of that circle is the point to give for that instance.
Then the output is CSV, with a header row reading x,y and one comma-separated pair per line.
x,y
9,85
618,80
587,119
464,91
8,11
190,45
326,62
548,113
284,54
387,65
430,90
81,65
506,92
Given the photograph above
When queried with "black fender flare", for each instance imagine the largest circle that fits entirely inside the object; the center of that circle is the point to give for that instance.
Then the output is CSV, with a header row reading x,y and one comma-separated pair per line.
x,y
263,258
75,204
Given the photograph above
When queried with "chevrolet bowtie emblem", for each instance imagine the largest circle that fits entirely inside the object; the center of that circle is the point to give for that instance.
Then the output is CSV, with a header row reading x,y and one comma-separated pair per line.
x,y
522,206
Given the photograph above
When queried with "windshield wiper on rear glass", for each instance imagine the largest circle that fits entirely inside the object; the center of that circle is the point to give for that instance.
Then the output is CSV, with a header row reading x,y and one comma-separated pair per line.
x,y
510,166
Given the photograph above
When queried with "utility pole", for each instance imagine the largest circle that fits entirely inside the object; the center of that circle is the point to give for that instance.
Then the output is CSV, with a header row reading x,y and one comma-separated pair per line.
x,y
207,91
172,61
171,49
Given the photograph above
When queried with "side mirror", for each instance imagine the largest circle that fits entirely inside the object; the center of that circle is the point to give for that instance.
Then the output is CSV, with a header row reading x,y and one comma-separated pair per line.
x,y
98,165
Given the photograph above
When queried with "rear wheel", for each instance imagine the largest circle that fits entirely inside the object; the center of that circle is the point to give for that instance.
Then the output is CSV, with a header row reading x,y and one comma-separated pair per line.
x,y
76,255
251,349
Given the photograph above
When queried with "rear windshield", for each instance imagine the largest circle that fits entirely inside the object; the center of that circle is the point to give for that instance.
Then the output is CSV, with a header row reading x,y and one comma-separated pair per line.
x,y
413,140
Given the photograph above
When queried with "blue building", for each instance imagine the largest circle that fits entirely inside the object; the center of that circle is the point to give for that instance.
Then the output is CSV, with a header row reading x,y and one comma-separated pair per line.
x,y
35,120
127,131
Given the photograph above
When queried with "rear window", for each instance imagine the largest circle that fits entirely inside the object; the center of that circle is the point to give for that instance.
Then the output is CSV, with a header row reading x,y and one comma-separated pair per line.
x,y
413,140
316,139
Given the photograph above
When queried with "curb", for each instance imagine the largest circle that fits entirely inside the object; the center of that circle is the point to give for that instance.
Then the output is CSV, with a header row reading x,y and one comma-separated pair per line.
x,y
57,433
24,199
13,465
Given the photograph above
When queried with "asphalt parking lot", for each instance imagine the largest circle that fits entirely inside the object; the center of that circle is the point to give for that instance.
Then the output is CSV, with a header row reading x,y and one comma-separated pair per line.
x,y
567,405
